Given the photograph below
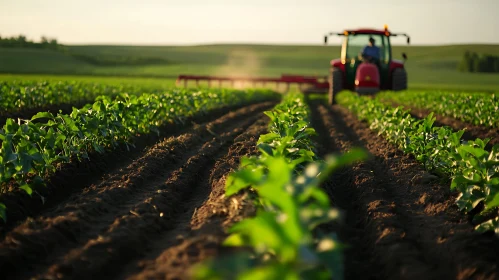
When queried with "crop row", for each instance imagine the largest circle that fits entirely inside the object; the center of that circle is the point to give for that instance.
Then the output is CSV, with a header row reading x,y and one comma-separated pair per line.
x,y
30,150
285,178
474,171
474,108
21,95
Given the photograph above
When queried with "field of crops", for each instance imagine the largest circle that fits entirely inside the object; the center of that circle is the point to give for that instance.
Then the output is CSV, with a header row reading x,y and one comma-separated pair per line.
x,y
430,66
144,182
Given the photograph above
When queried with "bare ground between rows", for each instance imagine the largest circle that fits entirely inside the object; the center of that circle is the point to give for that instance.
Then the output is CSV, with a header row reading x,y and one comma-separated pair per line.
x,y
399,225
471,131
97,231
199,232
78,175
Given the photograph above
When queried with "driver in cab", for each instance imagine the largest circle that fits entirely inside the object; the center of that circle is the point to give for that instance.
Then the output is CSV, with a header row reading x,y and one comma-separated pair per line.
x,y
371,52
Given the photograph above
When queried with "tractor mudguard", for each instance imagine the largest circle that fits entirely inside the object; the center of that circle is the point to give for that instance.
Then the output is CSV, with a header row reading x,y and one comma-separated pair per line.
x,y
394,64
338,64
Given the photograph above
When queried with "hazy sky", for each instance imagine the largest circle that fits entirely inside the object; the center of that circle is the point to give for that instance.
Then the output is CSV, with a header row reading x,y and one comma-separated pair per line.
x,y
254,21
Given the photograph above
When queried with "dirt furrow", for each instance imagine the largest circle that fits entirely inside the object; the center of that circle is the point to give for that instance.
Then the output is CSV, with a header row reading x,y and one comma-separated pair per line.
x,y
72,178
157,211
106,222
332,140
200,231
404,225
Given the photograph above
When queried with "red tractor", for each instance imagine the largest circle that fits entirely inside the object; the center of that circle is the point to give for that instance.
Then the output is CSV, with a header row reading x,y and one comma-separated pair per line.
x,y
366,64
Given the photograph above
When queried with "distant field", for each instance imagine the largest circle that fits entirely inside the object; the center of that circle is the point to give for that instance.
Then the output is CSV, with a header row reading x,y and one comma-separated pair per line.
x,y
428,66
144,82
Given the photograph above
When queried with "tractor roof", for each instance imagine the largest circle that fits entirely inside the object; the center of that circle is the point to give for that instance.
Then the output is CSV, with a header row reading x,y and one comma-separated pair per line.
x,y
366,31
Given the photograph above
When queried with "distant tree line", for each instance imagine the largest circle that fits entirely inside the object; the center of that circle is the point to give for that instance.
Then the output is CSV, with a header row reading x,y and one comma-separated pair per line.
x,y
99,60
473,62
22,42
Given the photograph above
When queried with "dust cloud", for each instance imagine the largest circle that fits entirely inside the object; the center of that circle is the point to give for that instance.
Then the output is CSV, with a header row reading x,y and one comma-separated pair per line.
x,y
242,63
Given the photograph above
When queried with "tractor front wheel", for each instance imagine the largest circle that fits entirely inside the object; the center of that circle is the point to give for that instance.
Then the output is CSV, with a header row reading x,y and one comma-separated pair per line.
x,y
335,84
399,79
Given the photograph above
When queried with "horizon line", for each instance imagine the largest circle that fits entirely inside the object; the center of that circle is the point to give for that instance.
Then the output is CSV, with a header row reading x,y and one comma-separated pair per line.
x,y
264,44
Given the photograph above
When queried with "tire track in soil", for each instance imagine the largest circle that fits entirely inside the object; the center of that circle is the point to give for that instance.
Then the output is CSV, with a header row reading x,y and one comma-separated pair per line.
x,y
404,226
338,188
109,223
200,231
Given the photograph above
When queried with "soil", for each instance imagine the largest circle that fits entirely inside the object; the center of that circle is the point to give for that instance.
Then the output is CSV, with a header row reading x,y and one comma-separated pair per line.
x,y
78,175
154,212
400,223
133,214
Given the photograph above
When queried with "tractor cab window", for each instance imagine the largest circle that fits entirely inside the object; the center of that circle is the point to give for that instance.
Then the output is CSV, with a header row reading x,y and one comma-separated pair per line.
x,y
357,42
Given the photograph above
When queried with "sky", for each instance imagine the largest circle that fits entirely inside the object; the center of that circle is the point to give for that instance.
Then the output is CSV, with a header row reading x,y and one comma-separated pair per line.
x,y
190,22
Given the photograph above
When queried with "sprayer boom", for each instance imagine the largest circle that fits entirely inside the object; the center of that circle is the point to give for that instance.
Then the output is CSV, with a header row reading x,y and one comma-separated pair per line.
x,y
307,84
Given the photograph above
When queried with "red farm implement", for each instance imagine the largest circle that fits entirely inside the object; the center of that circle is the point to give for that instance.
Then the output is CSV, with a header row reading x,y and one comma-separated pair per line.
x,y
307,84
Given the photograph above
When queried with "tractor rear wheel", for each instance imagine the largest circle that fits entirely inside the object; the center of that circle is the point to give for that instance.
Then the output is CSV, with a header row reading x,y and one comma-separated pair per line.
x,y
335,84
399,79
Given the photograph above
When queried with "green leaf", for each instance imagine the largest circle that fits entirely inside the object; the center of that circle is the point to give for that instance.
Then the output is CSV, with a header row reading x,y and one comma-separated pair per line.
x,y
234,240
27,189
3,212
10,126
477,152
460,181
490,225
492,201
268,138
70,123
41,115
242,179
334,161
262,233
266,148
274,271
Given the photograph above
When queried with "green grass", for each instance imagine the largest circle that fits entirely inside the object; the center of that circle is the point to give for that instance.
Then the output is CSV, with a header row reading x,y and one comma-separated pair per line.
x,y
40,61
428,66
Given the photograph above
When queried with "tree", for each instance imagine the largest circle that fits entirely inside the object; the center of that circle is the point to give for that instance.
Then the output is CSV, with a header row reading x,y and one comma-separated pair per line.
x,y
474,62
466,62
22,40
489,63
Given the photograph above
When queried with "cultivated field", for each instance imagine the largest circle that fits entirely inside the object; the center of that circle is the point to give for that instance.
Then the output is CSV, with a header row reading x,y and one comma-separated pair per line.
x,y
142,180
428,66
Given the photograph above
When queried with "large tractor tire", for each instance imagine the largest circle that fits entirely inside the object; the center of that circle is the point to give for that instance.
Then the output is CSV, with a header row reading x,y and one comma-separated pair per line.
x,y
335,84
399,79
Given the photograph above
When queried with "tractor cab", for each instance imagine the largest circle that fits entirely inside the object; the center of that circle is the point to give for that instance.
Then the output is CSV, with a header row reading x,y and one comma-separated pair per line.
x,y
366,64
